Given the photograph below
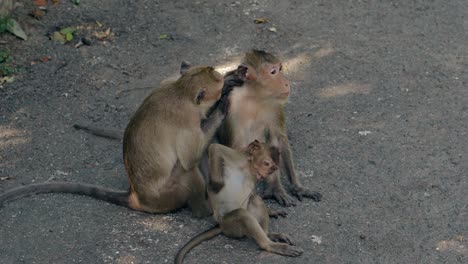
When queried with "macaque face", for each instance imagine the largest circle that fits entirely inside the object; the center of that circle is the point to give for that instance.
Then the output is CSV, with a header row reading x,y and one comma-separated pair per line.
x,y
264,166
261,159
272,77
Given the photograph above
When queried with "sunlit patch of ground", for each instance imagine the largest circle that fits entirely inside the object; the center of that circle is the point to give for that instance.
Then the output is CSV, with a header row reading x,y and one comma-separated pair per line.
x,y
344,89
157,223
127,259
457,244
11,137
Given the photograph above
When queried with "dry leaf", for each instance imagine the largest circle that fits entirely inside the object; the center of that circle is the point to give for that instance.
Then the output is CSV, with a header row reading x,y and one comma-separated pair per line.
x,y
40,2
272,29
15,28
6,178
56,2
104,35
261,20
45,58
37,13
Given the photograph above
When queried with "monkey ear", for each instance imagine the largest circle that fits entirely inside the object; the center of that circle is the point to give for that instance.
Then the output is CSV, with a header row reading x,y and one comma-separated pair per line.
x,y
184,67
245,73
200,96
252,147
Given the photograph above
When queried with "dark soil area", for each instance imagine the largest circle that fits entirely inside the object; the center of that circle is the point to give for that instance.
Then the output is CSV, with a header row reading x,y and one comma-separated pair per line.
x,y
377,119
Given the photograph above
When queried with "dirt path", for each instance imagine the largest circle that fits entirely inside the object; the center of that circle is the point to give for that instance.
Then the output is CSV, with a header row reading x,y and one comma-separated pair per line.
x,y
378,122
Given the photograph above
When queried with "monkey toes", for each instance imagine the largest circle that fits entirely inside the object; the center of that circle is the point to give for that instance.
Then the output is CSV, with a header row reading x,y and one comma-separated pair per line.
x,y
282,238
300,192
285,249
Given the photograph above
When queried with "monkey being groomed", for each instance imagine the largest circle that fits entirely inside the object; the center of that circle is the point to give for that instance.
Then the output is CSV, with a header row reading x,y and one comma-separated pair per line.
x,y
237,208
162,146
256,112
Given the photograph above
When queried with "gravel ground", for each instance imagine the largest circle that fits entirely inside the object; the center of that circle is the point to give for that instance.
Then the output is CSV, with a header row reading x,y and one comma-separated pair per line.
x,y
378,123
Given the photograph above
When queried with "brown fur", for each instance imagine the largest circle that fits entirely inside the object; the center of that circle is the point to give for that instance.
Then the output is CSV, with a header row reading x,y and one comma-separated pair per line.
x,y
256,111
236,207
162,146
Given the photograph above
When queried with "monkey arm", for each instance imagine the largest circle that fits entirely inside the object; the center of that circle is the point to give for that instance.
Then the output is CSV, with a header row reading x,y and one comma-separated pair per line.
x,y
287,165
218,154
210,124
218,111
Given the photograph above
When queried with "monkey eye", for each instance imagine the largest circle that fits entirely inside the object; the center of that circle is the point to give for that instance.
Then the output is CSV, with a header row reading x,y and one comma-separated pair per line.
x,y
281,68
273,71
266,163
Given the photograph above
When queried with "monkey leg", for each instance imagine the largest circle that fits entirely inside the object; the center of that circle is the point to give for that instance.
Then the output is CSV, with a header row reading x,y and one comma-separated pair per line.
x,y
240,223
197,200
276,190
287,165
173,189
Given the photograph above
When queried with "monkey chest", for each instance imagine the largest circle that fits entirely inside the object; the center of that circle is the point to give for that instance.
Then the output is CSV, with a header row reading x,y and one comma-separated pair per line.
x,y
234,195
249,124
255,130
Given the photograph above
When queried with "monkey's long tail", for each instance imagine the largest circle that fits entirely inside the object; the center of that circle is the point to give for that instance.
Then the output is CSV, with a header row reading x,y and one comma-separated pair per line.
x,y
101,132
206,235
109,195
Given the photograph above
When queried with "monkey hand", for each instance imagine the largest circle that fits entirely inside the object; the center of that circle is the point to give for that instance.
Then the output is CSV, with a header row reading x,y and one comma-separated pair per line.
x,y
216,186
279,195
230,82
275,213
300,192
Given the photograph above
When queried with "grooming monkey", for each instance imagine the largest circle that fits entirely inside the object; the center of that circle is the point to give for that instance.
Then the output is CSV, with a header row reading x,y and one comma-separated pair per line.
x,y
256,112
237,208
112,133
162,146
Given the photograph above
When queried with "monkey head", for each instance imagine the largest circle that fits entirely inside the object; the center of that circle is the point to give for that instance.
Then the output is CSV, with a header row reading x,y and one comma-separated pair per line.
x,y
263,159
264,73
202,84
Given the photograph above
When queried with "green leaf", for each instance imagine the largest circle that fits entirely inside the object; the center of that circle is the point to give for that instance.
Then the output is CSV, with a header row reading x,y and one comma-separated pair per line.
x,y
58,37
75,2
2,25
163,36
69,37
68,30
13,27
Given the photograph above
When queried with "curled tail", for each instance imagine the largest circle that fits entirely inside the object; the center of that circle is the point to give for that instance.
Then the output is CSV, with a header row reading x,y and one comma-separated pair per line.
x,y
206,235
109,195
101,132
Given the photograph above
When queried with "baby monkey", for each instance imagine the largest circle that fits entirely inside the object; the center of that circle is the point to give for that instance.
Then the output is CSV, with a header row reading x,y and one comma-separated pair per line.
x,y
237,208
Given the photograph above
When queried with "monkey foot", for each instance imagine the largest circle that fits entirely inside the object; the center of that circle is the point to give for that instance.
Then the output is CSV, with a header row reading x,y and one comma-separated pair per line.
x,y
300,192
285,249
282,238
279,195
276,213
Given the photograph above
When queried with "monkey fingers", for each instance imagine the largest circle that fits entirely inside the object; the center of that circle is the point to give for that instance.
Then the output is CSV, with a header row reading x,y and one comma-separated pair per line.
x,y
300,192
282,238
275,213
279,195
